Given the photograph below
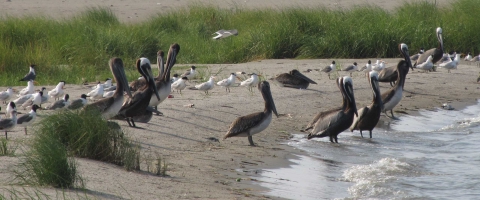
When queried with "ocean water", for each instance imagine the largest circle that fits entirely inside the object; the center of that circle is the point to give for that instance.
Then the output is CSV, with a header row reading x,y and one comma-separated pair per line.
x,y
435,155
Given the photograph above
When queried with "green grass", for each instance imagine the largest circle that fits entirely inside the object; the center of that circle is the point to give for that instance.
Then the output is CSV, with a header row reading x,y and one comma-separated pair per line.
x,y
7,148
67,134
80,47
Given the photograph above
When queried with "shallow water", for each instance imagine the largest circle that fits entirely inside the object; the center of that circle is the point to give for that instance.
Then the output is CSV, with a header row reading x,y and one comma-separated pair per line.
x,y
431,156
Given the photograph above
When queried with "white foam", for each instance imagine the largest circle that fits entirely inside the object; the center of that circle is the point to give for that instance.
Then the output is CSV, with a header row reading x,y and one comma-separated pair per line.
x,y
370,180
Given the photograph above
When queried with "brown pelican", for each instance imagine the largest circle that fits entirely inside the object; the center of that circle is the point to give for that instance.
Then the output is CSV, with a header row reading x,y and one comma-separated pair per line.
x,y
368,116
138,103
248,125
294,79
436,53
329,69
351,68
393,96
109,107
141,82
28,118
333,122
30,75
9,123
389,74
164,85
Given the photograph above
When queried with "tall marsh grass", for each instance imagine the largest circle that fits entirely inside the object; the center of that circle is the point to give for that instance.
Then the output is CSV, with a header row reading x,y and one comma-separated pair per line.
x,y
81,46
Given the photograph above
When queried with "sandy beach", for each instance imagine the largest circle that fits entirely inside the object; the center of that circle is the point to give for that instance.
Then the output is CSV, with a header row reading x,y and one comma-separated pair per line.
x,y
199,167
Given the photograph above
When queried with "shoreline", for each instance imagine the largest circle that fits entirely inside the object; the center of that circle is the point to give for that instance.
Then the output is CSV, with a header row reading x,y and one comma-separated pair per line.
x,y
207,169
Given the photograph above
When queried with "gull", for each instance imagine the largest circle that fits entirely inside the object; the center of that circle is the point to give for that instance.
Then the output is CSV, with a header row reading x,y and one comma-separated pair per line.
x,y
45,98
225,33
250,82
107,94
62,103
468,57
329,69
180,84
228,82
174,78
8,124
30,75
96,93
28,118
190,74
6,95
36,99
367,68
427,65
351,68
57,92
379,65
206,86
10,108
452,64
78,103
30,89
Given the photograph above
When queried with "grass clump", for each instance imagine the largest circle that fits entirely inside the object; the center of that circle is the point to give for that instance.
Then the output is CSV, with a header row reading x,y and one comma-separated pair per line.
x,y
67,134
49,163
87,135
7,149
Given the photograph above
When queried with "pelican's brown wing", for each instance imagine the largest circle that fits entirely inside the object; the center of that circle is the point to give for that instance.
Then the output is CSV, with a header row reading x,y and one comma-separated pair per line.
x,y
321,115
101,105
242,124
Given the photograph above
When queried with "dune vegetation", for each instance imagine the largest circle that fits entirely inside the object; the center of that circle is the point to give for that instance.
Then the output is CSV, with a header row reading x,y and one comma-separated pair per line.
x,y
80,47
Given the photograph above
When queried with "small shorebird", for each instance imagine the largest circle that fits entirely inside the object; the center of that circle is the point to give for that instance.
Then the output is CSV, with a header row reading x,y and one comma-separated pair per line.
x,y
28,118
30,75
62,103
332,122
97,93
294,79
9,123
427,65
393,96
247,126
206,86
30,89
225,33
250,82
329,69
351,68
228,82
452,64
368,116
468,57
180,84
10,108
6,95
78,103
57,92
36,99
190,74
